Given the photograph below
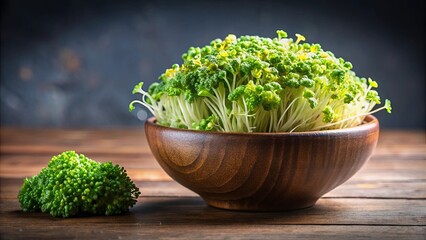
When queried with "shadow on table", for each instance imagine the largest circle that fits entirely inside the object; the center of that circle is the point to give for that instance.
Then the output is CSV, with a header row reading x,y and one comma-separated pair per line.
x,y
193,210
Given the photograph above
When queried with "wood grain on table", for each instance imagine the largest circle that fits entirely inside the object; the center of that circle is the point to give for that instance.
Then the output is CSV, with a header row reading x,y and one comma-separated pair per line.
x,y
386,199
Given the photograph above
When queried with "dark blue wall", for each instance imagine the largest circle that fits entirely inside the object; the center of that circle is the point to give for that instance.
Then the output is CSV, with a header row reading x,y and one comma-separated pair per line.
x,y
74,63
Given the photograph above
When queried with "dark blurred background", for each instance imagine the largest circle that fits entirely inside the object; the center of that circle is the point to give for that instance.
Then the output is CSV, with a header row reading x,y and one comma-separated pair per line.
x,y
74,63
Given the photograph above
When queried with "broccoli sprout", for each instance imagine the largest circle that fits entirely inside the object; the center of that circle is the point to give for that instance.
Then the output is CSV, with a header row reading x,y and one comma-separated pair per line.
x,y
256,84
73,184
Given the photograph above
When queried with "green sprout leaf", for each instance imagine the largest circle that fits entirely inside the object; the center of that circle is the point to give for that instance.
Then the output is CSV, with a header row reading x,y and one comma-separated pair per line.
x,y
281,34
137,88
131,107
258,84
328,114
372,83
300,38
388,106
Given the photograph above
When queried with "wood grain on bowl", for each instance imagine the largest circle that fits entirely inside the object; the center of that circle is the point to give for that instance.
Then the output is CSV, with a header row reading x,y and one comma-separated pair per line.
x,y
262,171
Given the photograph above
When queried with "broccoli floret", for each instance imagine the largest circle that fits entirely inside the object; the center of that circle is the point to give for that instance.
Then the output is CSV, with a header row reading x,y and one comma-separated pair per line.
x,y
73,184
260,84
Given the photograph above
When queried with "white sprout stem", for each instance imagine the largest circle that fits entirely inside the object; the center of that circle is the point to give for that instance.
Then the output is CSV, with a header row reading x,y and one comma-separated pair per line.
x,y
349,118
149,107
286,110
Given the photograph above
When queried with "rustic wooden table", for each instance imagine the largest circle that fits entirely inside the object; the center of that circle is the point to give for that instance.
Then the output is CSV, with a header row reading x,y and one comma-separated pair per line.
x,y
386,199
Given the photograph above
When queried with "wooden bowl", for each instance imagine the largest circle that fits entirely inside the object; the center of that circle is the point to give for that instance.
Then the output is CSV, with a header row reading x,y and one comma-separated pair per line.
x,y
262,171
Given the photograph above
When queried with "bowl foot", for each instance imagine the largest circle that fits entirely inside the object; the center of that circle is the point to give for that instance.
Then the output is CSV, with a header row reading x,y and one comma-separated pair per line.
x,y
258,207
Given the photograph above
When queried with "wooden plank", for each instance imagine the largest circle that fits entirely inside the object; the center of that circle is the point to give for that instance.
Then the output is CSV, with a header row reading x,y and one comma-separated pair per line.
x,y
395,164
193,211
403,190
38,161
364,176
146,168
397,137
410,190
147,161
401,144
9,188
401,151
380,175
138,231
54,141
386,190
29,136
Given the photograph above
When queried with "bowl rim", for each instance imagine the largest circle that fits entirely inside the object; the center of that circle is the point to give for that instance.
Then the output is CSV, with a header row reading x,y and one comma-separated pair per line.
x,y
370,122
